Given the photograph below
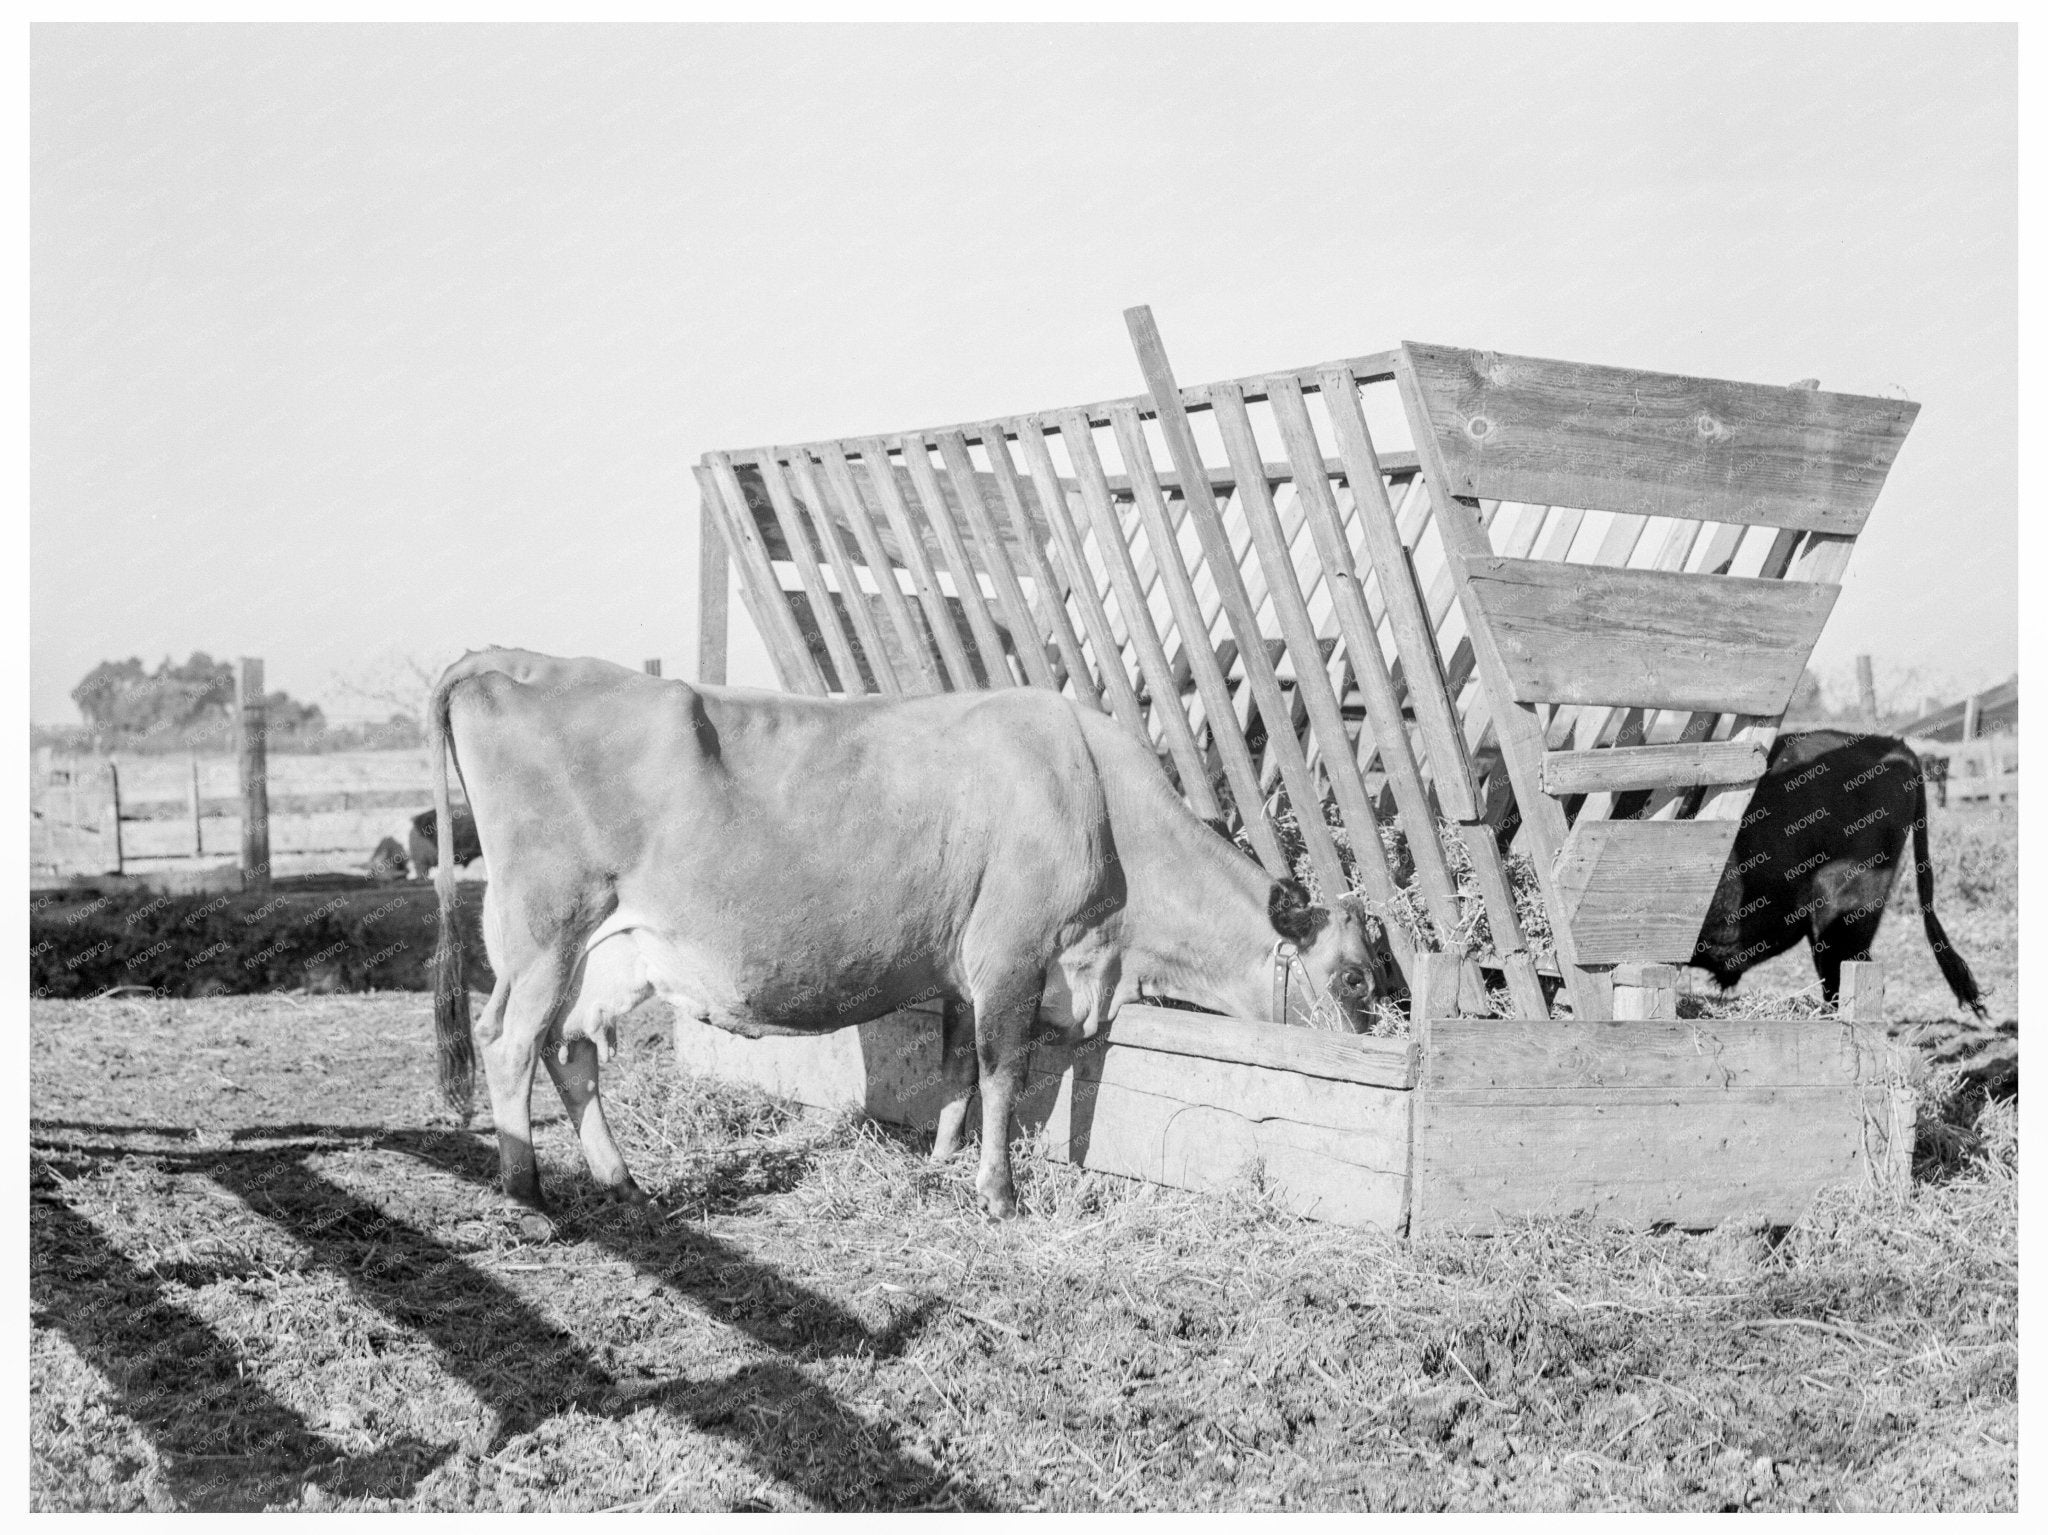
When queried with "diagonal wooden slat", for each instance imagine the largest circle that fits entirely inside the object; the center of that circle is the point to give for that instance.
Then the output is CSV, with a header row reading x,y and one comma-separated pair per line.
x,y
1026,636
1383,708
1361,639
1109,655
1187,757
758,585
845,667
1312,684
1414,637
1210,684
1166,403
852,506
874,651
925,488
1051,607
874,457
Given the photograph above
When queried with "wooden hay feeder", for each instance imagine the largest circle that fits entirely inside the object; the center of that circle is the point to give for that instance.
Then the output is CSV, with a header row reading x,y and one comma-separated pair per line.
x,y
1576,595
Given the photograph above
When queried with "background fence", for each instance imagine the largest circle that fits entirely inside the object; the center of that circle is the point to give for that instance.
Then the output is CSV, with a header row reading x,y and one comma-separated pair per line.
x,y
334,807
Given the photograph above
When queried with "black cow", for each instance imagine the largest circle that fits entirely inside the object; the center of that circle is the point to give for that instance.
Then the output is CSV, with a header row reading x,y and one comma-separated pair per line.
x,y
425,849
1817,856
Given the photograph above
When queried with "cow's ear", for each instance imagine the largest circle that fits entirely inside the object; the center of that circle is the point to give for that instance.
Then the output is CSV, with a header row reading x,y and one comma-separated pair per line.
x,y
1294,916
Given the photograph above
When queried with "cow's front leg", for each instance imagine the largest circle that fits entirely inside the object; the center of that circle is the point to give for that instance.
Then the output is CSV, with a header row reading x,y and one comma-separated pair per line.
x,y
956,1072
1003,1015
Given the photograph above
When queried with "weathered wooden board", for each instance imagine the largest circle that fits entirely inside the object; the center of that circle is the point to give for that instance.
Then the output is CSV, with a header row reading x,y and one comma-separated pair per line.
x,y
1339,1057
1492,1055
1639,890
1755,1155
1649,1122
1657,639
1648,767
1334,1150
1657,444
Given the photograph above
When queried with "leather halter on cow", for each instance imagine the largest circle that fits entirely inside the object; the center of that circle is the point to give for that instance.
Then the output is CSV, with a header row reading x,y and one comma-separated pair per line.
x,y
775,864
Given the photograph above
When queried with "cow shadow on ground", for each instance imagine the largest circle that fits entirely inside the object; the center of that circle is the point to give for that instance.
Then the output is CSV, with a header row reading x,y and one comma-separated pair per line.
x,y
519,1362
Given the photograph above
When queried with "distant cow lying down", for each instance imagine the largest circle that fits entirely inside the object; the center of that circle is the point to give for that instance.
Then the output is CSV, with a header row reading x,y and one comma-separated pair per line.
x,y
388,861
423,841
775,864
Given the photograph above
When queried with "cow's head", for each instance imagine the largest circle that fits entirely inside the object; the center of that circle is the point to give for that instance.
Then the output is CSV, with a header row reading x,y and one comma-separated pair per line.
x,y
1337,947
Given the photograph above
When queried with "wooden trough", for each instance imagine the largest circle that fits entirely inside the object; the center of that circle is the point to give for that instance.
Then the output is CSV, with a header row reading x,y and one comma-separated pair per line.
x,y
1373,613
1468,1126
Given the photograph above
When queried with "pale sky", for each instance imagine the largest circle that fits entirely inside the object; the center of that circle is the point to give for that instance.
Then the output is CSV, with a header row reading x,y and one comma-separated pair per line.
x,y
353,340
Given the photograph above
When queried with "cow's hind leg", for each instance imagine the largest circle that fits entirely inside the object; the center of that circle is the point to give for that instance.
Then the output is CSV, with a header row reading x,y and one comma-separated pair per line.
x,y
1847,937
1003,1014
956,1072
537,995
576,1081
1847,904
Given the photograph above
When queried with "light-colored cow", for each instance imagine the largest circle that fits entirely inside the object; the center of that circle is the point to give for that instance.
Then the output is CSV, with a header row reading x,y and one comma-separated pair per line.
x,y
775,864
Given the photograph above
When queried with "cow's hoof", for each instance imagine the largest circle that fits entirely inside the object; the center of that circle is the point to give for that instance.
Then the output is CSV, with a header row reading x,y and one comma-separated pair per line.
x,y
534,1225
1000,1204
523,1198
630,1193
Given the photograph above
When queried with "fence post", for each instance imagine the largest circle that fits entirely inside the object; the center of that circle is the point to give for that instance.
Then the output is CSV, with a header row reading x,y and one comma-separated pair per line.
x,y
114,811
255,784
1432,997
192,798
1645,991
1861,996
711,600
651,666
1970,718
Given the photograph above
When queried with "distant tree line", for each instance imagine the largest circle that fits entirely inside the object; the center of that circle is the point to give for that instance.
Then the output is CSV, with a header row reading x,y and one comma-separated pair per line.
x,y
191,706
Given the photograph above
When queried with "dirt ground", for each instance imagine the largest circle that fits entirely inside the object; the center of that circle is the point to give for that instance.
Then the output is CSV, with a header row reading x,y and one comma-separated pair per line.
x,y
270,1271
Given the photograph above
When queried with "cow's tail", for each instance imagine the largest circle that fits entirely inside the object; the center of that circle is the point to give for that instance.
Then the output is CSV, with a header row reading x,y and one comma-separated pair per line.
x,y
1954,968
454,1049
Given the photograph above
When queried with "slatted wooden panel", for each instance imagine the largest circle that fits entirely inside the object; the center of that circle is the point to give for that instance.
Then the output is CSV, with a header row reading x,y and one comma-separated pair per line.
x,y
1254,577
1623,675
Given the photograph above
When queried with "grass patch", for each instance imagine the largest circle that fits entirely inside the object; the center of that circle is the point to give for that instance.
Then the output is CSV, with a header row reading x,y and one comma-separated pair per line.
x,y
376,939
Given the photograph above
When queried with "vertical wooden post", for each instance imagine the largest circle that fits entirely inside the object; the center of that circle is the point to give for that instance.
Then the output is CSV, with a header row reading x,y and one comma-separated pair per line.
x,y
1861,998
114,809
192,799
711,601
1970,718
1866,692
1436,989
1645,991
255,781
651,666
1432,994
